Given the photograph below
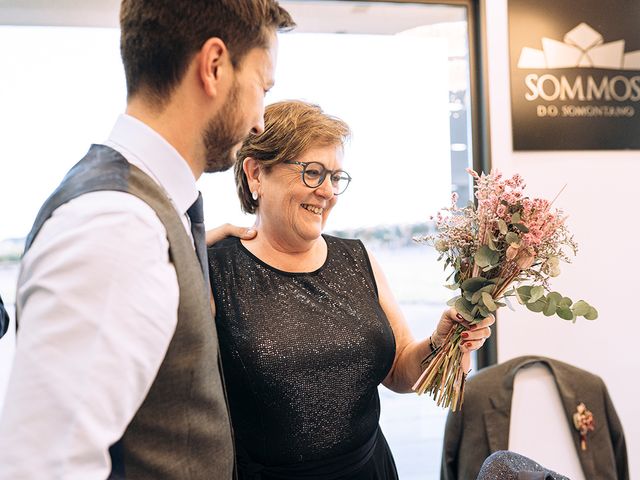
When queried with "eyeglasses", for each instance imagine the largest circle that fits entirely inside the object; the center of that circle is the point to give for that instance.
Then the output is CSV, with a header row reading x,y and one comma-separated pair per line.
x,y
314,173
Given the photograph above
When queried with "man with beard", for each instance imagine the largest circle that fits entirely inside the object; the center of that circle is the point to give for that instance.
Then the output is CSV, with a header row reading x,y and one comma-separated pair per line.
x,y
116,371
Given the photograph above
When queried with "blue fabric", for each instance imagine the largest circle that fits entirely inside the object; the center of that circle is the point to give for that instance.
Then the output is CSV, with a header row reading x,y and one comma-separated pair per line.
x,y
4,319
116,452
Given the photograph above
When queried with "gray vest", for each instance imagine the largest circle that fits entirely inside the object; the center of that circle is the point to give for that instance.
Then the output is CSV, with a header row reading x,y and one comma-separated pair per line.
x,y
181,431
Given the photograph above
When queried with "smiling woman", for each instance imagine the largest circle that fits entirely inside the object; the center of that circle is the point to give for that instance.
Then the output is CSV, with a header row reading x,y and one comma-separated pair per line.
x,y
303,210
307,323
277,181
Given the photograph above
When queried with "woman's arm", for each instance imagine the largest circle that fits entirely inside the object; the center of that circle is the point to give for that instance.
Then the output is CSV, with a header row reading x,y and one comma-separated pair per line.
x,y
410,352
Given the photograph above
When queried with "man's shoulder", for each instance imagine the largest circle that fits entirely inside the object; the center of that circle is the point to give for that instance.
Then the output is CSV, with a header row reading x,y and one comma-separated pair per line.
x,y
119,206
118,220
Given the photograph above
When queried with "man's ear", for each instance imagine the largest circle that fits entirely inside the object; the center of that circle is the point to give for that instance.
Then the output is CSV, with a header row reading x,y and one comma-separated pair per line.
x,y
252,170
214,66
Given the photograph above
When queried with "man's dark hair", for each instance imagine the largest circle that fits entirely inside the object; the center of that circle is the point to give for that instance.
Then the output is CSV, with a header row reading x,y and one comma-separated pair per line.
x,y
160,37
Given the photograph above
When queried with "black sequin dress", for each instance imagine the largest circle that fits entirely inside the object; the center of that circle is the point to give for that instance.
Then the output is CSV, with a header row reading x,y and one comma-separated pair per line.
x,y
303,355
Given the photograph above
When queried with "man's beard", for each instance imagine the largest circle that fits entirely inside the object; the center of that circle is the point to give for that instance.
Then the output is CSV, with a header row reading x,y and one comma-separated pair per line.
x,y
223,134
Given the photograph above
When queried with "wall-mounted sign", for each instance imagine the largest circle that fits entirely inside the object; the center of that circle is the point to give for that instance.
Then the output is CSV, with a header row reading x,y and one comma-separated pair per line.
x,y
575,74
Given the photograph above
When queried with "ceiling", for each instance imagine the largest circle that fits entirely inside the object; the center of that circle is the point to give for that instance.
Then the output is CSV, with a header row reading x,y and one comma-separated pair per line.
x,y
311,16
74,13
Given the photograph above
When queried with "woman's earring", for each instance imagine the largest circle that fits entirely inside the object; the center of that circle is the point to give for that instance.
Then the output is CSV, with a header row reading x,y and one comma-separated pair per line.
x,y
254,195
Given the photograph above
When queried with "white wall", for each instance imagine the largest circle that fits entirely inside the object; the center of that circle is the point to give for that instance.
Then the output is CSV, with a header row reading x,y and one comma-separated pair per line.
x,y
601,199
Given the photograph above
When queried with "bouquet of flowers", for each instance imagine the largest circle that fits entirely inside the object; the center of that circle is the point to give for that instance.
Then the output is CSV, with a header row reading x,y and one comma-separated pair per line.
x,y
509,245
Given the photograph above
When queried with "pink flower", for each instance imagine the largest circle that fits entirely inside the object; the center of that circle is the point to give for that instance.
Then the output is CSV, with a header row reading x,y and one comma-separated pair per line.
x,y
501,211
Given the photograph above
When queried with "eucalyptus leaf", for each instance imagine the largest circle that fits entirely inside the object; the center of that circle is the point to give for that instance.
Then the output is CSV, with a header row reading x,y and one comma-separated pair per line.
x,y
464,308
508,302
488,301
488,288
452,301
485,257
565,313
537,293
525,289
491,244
551,307
483,312
581,308
474,284
555,296
592,314
536,307
522,227
502,227
523,293
453,286
476,297
512,238
565,302
515,218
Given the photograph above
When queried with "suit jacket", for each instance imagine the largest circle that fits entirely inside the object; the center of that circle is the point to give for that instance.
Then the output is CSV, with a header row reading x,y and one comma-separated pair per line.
x,y
482,426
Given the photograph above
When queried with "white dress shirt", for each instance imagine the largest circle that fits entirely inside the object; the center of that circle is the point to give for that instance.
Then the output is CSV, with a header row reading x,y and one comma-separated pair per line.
x,y
538,428
98,302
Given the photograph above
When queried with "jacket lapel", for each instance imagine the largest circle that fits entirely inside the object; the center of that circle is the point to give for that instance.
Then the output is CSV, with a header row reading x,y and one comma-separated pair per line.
x,y
496,418
496,423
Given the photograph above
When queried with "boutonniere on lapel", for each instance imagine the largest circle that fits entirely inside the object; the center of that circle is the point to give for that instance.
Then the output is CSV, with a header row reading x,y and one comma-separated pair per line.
x,y
584,423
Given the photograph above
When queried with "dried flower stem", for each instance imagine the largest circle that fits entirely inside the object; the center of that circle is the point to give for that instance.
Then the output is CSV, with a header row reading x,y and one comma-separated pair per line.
x,y
442,378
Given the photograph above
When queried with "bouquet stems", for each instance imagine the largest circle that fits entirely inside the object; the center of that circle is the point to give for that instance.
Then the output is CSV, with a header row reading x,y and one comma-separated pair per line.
x,y
443,378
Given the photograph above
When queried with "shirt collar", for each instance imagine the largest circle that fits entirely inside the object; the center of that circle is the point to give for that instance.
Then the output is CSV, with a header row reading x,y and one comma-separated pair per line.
x,y
148,150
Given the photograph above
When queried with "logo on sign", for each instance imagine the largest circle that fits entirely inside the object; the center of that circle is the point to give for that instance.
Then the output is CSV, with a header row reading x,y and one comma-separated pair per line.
x,y
582,47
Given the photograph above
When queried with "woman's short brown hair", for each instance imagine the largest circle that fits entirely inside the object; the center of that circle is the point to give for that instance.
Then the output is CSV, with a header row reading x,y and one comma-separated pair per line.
x,y
291,128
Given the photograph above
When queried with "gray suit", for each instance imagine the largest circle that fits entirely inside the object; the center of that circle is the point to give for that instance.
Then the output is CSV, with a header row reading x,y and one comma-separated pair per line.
x,y
482,426
182,429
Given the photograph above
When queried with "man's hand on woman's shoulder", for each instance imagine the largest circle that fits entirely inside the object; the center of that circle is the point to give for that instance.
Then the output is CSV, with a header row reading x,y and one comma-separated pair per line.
x,y
227,230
